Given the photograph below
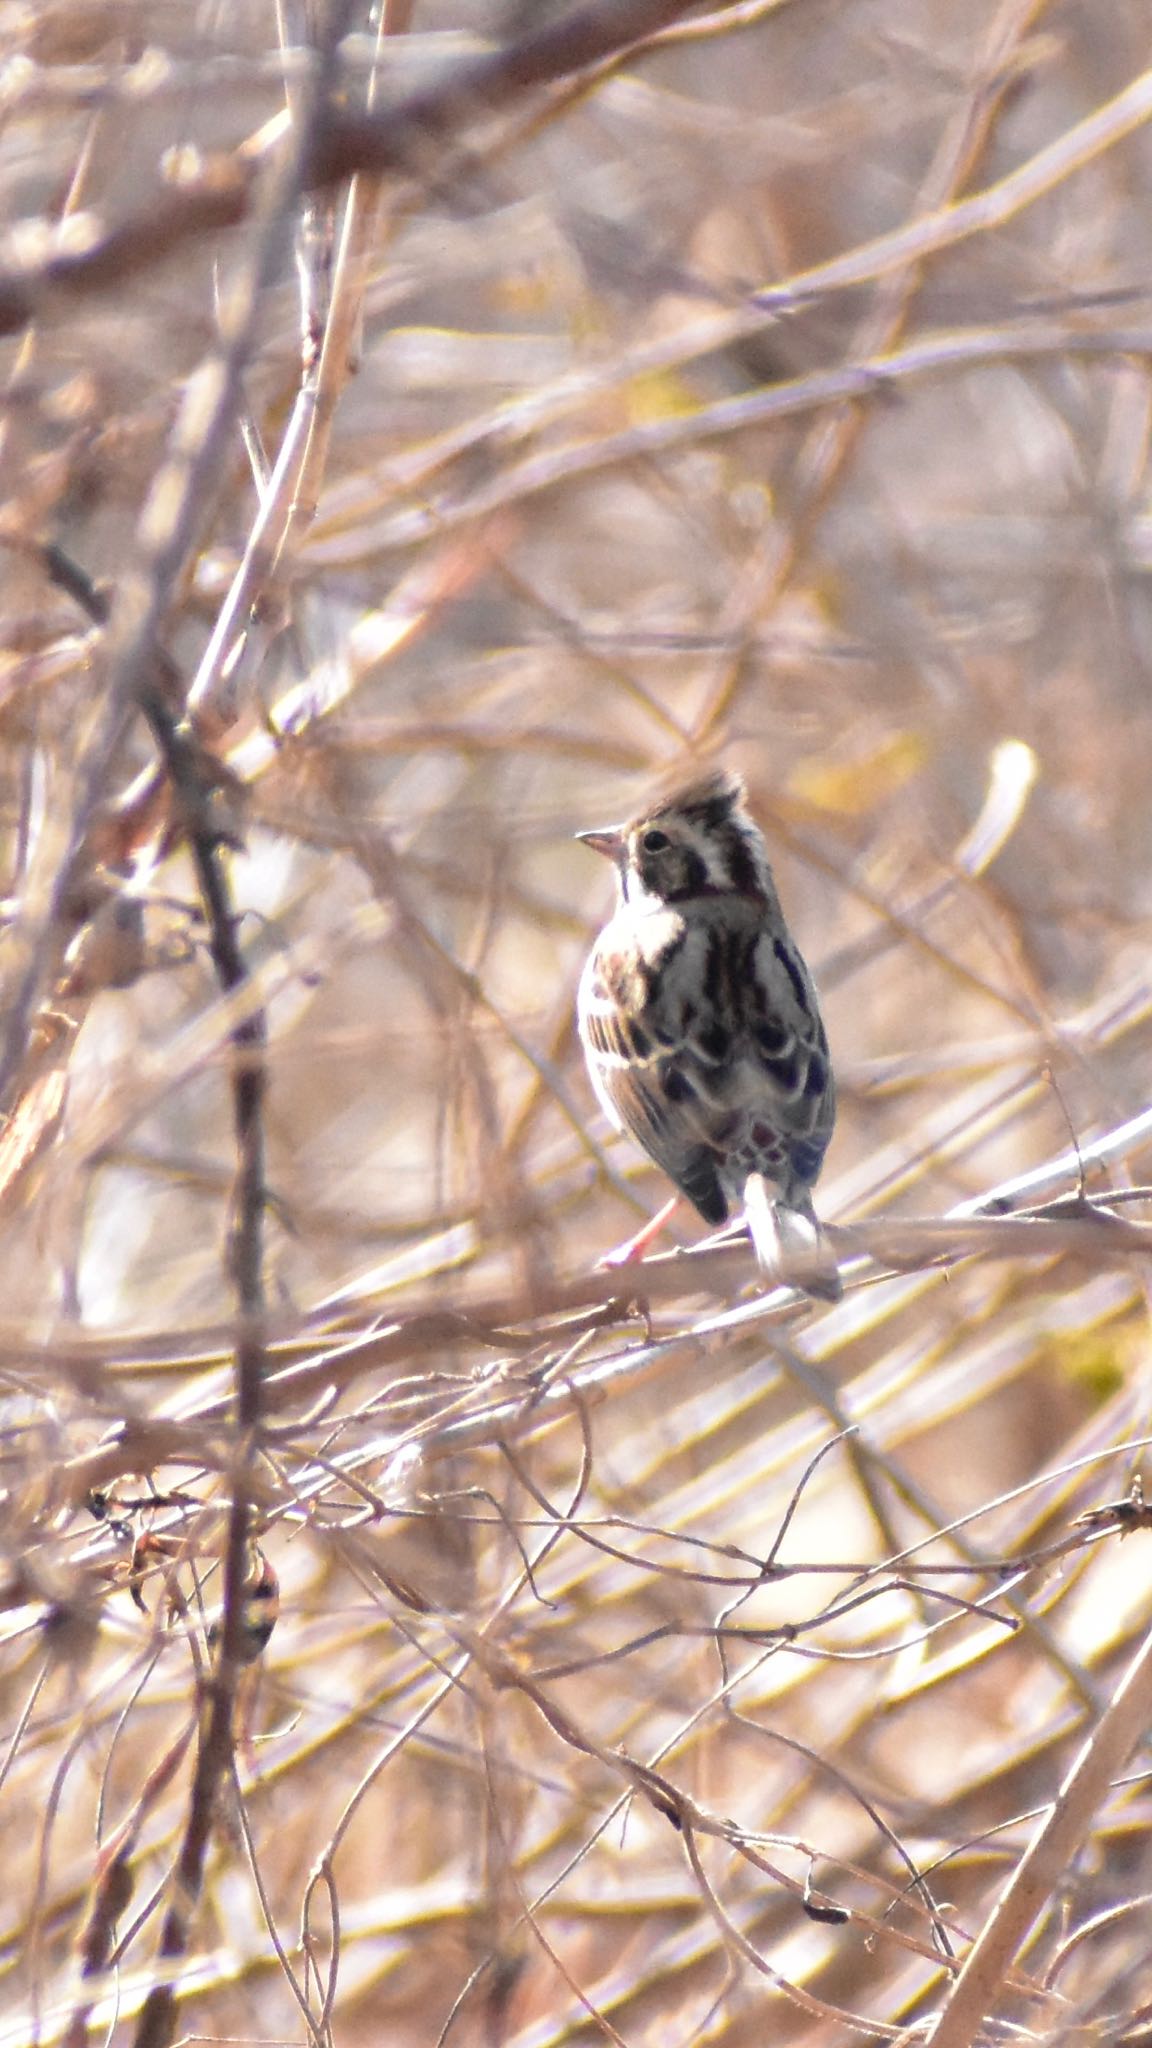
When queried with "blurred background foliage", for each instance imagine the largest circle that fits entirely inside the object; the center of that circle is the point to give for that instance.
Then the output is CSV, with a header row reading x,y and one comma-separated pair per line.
x,y
777,390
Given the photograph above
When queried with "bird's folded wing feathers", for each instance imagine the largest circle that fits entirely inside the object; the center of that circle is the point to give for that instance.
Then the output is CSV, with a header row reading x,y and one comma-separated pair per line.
x,y
641,1082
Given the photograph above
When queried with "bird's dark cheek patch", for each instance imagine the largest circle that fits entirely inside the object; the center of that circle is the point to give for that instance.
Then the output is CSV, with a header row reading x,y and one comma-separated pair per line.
x,y
676,875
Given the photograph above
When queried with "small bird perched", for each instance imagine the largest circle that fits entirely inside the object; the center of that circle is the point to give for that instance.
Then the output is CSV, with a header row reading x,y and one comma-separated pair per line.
x,y
701,1027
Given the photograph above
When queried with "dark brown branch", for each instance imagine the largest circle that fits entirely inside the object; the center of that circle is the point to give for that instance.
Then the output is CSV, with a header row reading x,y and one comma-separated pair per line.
x,y
195,780
397,139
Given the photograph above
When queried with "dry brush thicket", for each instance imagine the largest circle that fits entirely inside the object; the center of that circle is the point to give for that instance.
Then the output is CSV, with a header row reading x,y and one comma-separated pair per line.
x,y
421,436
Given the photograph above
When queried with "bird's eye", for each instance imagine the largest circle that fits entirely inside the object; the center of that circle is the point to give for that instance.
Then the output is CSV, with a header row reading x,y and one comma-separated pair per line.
x,y
655,842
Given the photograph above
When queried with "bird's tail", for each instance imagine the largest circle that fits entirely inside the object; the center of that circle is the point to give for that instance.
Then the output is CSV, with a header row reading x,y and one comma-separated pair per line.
x,y
789,1242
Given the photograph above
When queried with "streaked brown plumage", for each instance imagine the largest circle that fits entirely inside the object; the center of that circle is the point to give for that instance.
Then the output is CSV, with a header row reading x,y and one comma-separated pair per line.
x,y
701,1026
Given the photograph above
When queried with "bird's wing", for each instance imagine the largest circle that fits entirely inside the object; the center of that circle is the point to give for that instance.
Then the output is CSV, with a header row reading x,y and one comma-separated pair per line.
x,y
705,1043
746,1054
745,1012
635,1058
784,1034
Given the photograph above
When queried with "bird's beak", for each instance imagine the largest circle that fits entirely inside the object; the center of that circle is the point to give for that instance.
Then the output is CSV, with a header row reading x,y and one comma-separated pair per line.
x,y
609,841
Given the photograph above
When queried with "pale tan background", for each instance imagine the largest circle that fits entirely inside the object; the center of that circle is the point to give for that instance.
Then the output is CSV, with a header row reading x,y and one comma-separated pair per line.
x,y
555,458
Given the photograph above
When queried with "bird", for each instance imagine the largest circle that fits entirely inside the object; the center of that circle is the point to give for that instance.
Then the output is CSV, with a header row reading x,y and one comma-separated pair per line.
x,y
702,1029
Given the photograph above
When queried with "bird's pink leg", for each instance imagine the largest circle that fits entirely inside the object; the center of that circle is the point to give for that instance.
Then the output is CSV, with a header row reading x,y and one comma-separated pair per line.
x,y
633,1247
